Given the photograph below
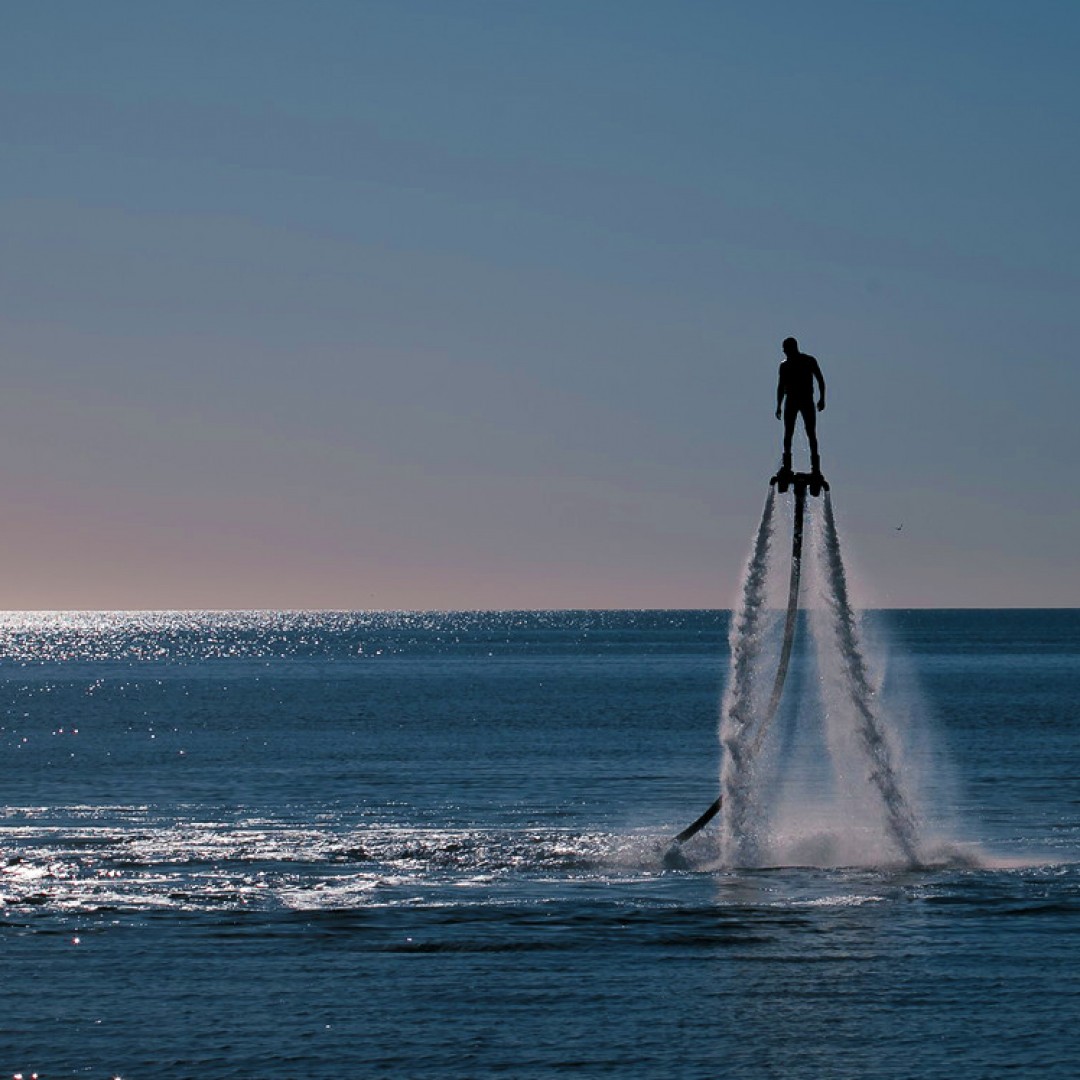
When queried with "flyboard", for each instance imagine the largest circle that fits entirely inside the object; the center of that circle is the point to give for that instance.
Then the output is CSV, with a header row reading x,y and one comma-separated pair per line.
x,y
800,483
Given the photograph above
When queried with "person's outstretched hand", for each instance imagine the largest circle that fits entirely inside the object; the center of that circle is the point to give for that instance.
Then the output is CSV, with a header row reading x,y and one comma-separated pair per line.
x,y
821,405
778,412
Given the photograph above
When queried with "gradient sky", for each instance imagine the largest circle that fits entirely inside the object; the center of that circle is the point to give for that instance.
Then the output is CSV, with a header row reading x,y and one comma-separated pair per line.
x,y
479,304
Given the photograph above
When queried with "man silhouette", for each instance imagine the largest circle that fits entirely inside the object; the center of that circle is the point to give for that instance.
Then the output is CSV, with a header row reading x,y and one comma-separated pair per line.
x,y
796,385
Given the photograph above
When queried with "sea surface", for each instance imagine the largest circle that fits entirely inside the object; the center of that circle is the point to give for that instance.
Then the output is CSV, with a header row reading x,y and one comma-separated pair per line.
x,y
284,845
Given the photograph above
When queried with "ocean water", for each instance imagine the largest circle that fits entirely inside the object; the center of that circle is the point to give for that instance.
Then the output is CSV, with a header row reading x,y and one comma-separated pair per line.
x,y
363,845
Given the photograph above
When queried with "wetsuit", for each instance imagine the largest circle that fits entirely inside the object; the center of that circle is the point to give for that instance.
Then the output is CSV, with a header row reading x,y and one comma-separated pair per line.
x,y
796,390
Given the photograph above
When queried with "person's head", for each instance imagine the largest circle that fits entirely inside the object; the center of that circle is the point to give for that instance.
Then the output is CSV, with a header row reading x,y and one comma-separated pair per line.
x,y
790,347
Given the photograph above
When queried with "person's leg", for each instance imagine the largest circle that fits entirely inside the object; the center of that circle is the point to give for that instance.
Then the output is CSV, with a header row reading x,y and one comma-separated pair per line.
x,y
809,415
791,414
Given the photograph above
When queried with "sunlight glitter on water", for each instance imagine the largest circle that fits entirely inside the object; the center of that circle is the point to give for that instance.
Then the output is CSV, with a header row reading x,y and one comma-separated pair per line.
x,y
142,864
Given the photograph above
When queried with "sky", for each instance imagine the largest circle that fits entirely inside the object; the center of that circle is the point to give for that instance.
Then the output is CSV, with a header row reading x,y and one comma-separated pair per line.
x,y
478,303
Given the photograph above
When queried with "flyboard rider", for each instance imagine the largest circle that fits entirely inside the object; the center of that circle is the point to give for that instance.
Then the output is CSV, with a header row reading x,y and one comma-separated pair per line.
x,y
795,397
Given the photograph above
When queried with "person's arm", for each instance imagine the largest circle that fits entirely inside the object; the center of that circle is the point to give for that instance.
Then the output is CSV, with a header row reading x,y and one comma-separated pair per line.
x,y
779,392
821,386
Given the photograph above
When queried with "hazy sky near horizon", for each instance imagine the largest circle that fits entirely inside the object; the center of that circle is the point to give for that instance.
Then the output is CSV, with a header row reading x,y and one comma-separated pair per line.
x,y
478,304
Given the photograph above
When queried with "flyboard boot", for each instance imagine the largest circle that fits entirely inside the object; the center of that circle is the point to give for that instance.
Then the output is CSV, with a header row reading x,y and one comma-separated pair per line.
x,y
783,478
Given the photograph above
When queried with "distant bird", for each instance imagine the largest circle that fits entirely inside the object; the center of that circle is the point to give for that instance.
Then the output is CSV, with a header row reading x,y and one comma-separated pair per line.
x,y
900,526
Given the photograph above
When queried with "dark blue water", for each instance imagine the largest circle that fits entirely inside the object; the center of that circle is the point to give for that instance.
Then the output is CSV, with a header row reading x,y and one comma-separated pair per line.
x,y
280,845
